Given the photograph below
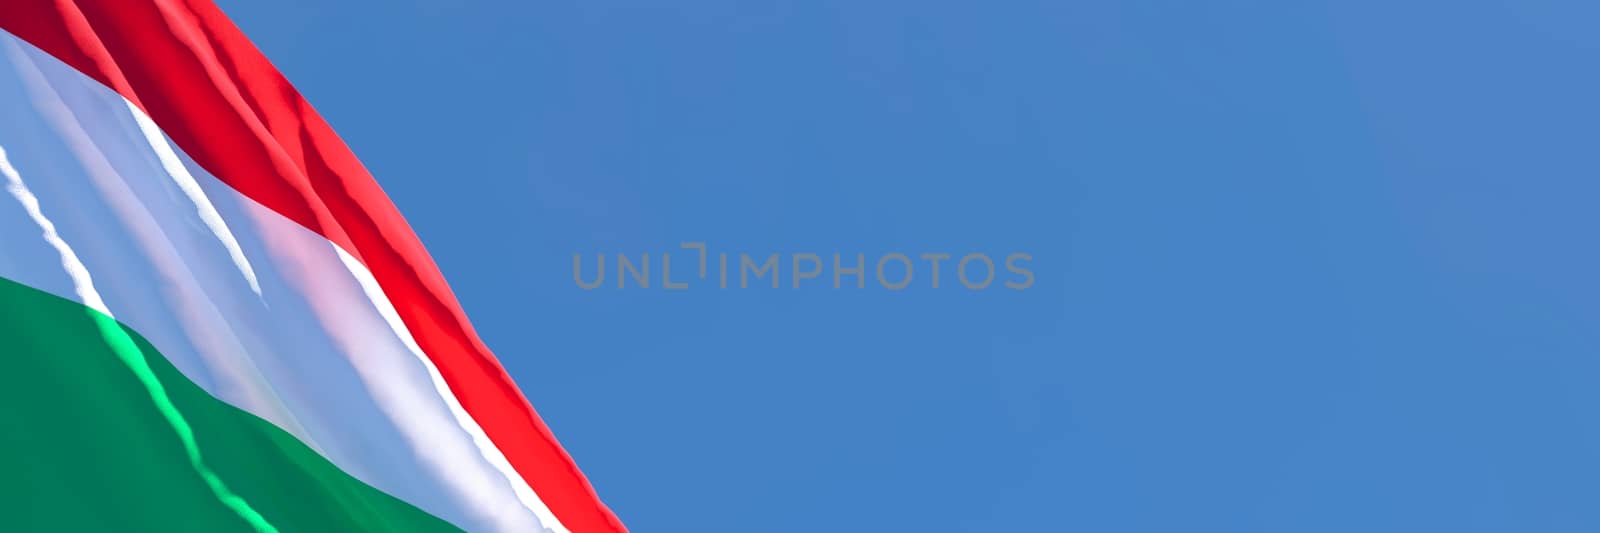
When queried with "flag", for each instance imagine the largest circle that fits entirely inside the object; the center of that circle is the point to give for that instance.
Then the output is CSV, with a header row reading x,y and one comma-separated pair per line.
x,y
213,319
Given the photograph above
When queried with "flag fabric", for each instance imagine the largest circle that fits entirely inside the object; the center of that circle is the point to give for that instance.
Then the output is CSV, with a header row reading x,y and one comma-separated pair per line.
x,y
213,319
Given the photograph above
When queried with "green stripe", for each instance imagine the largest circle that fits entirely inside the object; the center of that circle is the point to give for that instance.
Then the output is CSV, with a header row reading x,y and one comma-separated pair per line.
x,y
99,432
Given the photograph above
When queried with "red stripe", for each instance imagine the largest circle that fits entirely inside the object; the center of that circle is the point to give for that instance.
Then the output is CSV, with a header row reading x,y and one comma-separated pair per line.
x,y
224,104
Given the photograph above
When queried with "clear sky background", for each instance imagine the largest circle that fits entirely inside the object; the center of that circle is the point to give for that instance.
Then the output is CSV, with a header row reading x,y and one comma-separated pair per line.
x,y
1301,266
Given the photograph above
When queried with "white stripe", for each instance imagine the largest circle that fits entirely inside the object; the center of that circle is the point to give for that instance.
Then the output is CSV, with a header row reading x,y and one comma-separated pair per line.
x,y
81,282
186,183
329,361
203,324
463,419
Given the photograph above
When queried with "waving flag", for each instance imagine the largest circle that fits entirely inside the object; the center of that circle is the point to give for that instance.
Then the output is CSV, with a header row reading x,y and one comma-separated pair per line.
x,y
212,318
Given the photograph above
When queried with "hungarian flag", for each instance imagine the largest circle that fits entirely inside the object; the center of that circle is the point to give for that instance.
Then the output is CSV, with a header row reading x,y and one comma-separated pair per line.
x,y
213,319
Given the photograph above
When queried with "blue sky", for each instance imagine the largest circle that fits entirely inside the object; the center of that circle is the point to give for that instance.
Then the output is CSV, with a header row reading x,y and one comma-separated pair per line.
x,y
1301,266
